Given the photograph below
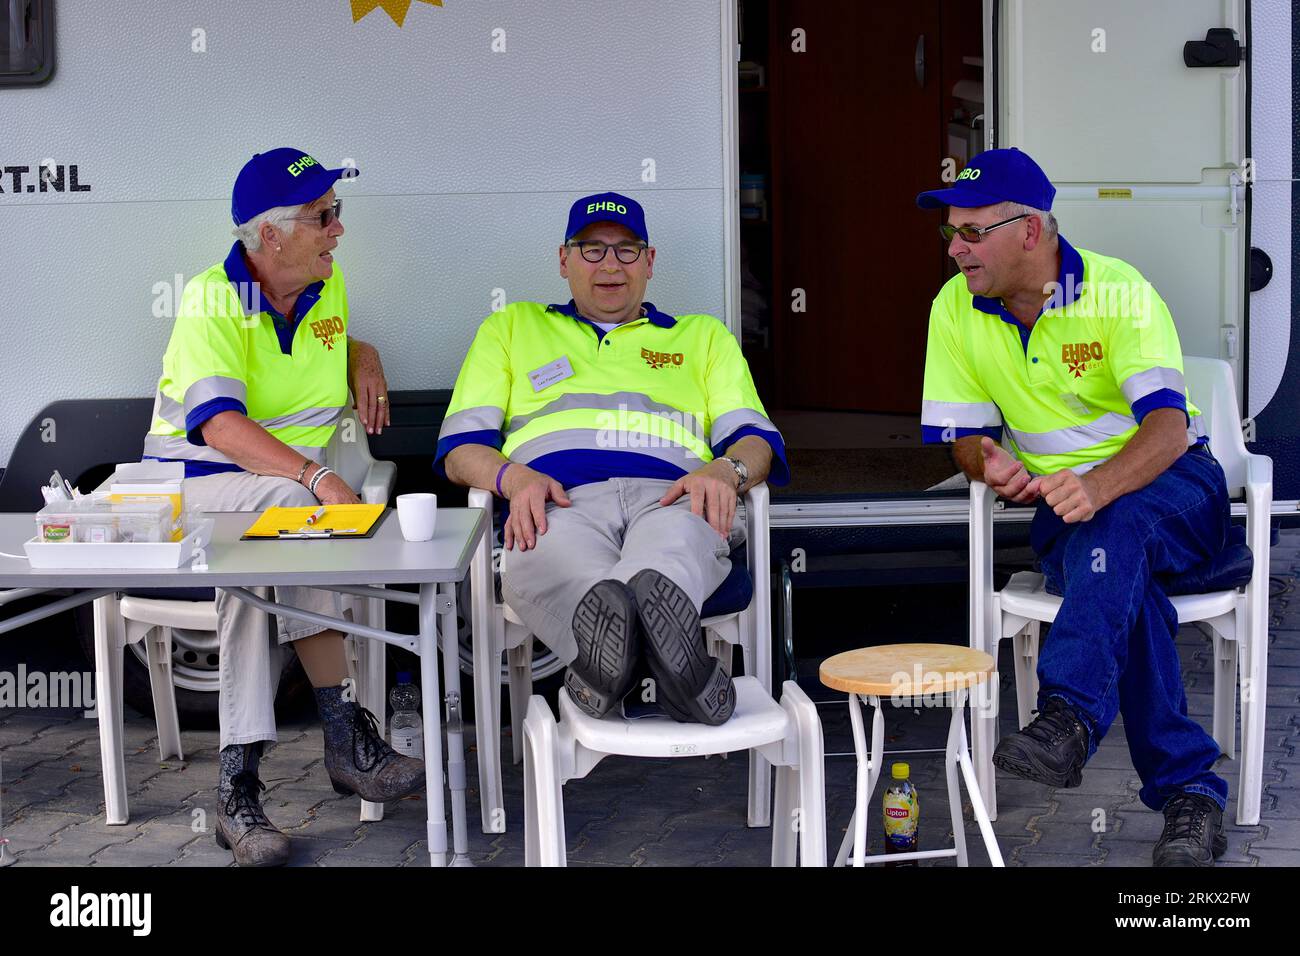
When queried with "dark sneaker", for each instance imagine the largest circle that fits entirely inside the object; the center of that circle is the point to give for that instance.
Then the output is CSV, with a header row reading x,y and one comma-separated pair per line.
x,y
242,825
1051,750
362,762
690,685
1193,834
605,630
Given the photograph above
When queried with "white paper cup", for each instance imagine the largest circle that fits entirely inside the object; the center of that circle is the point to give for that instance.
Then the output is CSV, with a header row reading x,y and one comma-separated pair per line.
x,y
417,513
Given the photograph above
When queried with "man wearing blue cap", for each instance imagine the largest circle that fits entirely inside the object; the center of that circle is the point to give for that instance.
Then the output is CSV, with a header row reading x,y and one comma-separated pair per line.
x,y
255,378
621,437
1076,356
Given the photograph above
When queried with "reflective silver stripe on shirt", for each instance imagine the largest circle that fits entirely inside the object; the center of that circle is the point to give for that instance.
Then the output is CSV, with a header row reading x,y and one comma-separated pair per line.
x,y
1087,466
169,410
592,439
1140,384
163,446
478,419
960,414
614,401
308,418
735,420
1062,441
1196,429
177,447
215,386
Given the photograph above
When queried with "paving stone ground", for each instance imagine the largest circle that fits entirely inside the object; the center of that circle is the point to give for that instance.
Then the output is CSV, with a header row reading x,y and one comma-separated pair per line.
x,y
683,812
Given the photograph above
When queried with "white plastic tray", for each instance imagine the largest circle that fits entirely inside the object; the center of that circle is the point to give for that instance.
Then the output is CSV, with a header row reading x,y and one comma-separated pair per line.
x,y
117,554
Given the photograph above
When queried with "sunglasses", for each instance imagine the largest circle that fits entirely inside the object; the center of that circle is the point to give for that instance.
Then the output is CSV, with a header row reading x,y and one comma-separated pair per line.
x,y
973,233
325,216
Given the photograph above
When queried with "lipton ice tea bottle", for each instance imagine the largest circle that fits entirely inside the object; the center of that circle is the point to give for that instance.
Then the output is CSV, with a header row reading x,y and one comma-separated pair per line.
x,y
902,812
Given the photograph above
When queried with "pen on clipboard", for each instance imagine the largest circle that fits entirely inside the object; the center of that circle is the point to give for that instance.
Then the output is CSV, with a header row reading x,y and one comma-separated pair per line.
x,y
316,515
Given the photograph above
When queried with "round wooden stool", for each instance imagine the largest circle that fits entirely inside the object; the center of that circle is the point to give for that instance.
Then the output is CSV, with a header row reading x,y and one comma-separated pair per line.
x,y
936,675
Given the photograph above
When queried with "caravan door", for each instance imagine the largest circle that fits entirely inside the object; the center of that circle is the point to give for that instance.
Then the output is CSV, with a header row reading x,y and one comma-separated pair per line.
x,y
1146,153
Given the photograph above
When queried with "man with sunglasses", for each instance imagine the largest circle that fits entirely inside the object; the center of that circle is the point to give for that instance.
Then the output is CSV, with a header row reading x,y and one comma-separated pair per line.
x,y
255,378
1075,357
621,437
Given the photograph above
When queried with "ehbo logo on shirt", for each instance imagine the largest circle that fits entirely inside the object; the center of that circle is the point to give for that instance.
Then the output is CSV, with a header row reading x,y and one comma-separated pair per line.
x,y
326,330
661,359
1079,357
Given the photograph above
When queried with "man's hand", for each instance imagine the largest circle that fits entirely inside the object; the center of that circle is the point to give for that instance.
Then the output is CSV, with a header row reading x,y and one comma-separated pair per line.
x,y
1073,497
333,490
366,379
1004,473
713,494
528,491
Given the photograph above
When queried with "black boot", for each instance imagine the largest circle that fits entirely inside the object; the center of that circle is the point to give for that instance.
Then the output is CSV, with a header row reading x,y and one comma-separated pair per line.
x,y
359,760
242,825
1051,750
605,630
1193,834
690,685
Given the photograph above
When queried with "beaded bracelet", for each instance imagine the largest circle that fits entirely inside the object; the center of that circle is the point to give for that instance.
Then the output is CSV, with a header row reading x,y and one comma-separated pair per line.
x,y
315,479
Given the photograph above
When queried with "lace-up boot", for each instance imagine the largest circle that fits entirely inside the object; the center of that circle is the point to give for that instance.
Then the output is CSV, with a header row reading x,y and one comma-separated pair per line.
x,y
1051,750
242,825
357,757
1193,834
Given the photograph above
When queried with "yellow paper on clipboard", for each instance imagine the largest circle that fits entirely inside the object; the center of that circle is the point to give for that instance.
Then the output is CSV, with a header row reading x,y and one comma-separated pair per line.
x,y
338,521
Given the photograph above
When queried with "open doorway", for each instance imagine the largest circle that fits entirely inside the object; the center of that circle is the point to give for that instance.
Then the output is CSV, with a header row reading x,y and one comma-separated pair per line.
x,y
847,111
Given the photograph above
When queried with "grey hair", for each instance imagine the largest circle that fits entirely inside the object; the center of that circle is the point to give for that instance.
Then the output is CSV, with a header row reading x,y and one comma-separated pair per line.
x,y
282,217
1009,210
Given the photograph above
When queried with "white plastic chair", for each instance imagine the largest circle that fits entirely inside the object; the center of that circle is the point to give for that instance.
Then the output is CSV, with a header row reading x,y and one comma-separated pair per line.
x,y
787,734
129,619
505,632
1234,618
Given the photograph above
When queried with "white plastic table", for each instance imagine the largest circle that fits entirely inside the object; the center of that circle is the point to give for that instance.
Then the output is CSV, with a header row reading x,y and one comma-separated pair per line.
x,y
359,567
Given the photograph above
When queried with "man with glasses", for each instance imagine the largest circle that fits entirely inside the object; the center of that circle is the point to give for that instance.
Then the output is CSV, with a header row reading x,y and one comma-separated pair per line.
x,y
255,378
1075,357
621,437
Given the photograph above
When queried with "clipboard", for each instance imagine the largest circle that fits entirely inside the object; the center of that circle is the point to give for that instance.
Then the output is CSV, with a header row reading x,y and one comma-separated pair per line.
x,y
338,522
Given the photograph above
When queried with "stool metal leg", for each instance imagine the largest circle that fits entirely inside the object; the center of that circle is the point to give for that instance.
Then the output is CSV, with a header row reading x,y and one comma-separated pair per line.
x,y
976,798
956,725
868,774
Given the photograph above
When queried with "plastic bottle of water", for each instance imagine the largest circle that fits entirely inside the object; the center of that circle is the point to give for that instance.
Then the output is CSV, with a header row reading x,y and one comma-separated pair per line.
x,y
406,732
902,813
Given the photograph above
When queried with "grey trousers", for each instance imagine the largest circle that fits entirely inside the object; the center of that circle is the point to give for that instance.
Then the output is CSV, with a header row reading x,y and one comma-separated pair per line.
x,y
612,529
250,657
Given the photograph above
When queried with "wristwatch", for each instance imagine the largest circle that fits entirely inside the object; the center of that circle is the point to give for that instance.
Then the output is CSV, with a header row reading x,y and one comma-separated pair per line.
x,y
738,466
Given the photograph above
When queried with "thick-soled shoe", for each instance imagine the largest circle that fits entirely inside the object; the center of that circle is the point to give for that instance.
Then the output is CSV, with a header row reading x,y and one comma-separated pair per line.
x,y
242,825
1193,834
605,630
1051,750
690,685
361,762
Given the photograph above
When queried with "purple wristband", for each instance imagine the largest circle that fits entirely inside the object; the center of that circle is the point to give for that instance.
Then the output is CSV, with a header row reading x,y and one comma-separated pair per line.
x,y
500,493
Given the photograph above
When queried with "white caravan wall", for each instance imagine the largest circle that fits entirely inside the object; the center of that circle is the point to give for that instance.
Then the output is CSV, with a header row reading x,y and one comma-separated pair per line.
x,y
469,160
1272,115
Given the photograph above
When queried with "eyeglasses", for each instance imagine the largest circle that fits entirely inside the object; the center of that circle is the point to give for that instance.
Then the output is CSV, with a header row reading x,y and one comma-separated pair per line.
x,y
593,250
973,233
325,216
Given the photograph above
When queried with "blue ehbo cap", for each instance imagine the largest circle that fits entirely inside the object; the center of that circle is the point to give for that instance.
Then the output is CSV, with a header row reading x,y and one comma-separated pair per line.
x,y
606,207
281,177
999,175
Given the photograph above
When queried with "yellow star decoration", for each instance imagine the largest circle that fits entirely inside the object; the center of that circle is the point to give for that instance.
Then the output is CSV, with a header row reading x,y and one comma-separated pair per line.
x,y
396,9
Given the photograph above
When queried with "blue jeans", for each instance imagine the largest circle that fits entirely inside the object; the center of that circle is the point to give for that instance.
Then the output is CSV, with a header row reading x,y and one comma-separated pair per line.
x,y
1111,649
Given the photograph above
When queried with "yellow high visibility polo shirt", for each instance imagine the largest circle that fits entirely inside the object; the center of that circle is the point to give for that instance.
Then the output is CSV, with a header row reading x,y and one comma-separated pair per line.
x,y
1102,355
656,397
231,351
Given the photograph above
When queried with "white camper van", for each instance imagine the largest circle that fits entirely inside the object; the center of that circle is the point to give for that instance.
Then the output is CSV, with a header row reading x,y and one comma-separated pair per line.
x,y
777,146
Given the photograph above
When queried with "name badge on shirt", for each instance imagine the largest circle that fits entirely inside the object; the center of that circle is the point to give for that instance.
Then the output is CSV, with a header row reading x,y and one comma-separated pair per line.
x,y
550,373
1075,403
